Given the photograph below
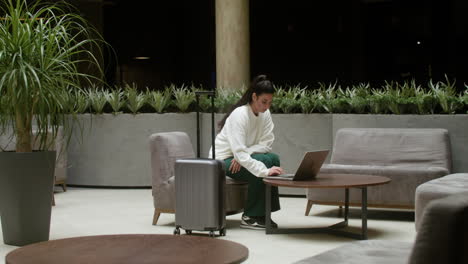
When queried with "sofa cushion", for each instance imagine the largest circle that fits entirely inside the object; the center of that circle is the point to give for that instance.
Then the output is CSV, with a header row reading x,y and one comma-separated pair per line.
x,y
392,146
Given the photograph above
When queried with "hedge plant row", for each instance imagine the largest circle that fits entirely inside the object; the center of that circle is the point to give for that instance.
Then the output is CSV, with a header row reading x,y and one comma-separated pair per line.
x,y
391,98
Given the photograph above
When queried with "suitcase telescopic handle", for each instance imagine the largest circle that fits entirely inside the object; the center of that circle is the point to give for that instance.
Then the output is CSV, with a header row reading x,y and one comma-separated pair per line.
x,y
197,96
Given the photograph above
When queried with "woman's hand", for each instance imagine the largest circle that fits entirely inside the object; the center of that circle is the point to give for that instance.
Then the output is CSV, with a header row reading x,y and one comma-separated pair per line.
x,y
275,171
235,166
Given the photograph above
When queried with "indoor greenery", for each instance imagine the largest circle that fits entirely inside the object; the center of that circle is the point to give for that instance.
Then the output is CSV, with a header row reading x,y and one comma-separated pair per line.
x,y
43,46
391,98
115,100
135,99
159,100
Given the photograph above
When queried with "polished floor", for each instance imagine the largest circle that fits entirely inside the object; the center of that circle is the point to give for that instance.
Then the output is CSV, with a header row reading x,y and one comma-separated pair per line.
x,y
87,211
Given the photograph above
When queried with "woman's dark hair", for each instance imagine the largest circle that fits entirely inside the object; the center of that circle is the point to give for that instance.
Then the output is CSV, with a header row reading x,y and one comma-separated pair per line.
x,y
259,85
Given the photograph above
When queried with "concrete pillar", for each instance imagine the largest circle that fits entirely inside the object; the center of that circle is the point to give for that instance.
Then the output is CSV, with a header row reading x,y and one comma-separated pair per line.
x,y
232,43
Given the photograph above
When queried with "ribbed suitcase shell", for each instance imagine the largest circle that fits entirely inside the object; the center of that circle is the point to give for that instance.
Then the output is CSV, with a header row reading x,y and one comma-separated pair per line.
x,y
200,195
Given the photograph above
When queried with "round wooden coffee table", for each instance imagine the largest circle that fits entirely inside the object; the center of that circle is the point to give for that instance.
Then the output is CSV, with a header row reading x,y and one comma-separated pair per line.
x,y
126,249
336,181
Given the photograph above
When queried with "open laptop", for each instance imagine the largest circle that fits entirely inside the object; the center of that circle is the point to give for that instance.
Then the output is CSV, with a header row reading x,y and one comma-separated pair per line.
x,y
308,169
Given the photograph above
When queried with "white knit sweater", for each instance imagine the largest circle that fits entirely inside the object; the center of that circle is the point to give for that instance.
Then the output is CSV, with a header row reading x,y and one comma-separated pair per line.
x,y
244,134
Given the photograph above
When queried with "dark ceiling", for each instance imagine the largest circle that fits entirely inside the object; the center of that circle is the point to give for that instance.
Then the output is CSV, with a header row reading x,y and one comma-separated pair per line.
x,y
293,41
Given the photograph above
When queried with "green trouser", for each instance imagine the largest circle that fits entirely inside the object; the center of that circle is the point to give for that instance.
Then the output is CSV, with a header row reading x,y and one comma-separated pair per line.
x,y
256,188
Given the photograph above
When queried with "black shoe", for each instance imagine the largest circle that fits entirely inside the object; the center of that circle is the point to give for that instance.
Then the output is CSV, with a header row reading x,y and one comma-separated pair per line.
x,y
252,222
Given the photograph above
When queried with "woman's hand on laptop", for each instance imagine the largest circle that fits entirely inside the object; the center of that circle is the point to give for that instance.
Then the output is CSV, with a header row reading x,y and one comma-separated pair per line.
x,y
275,171
235,166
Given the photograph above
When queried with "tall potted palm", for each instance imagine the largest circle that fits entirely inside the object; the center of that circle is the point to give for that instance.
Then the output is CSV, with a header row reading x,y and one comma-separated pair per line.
x,y
42,48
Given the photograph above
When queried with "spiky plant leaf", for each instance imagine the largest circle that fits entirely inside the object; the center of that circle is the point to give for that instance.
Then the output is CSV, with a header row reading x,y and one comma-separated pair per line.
x,y
184,97
115,99
134,98
159,100
97,98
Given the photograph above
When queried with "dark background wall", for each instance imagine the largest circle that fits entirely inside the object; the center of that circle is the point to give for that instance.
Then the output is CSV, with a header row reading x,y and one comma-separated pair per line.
x,y
292,41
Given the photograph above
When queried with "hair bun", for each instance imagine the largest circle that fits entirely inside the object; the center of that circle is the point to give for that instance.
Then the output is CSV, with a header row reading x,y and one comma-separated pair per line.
x,y
260,78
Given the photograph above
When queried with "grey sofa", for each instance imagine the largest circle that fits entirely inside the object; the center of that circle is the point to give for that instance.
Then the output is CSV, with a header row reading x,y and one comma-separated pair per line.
x,y
409,157
442,238
165,148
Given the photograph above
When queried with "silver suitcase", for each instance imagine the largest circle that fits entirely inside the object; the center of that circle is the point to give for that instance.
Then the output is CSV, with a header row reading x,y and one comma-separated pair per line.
x,y
200,194
200,190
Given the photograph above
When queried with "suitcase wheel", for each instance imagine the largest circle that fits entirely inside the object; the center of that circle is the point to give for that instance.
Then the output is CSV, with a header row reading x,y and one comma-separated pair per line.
x,y
177,231
222,232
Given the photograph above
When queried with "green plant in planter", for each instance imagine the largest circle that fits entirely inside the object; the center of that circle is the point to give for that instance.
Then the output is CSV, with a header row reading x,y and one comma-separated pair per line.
x,y
115,99
357,97
135,99
288,98
308,101
205,103
425,101
159,100
408,100
464,99
78,102
225,98
279,93
333,99
75,102
97,98
378,102
446,96
41,49
184,97
392,97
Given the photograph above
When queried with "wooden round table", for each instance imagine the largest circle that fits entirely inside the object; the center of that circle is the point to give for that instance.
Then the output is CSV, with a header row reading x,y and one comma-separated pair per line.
x,y
340,181
115,249
334,181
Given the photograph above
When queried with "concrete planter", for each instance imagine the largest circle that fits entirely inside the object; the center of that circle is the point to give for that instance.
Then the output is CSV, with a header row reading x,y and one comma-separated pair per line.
x,y
114,151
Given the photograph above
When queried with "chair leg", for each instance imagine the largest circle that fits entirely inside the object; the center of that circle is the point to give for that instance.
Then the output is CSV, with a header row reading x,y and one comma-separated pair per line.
x,y
308,207
64,187
156,215
53,199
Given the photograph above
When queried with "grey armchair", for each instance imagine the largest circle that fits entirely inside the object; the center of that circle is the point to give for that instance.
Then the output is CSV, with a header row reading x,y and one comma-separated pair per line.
x,y
165,148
